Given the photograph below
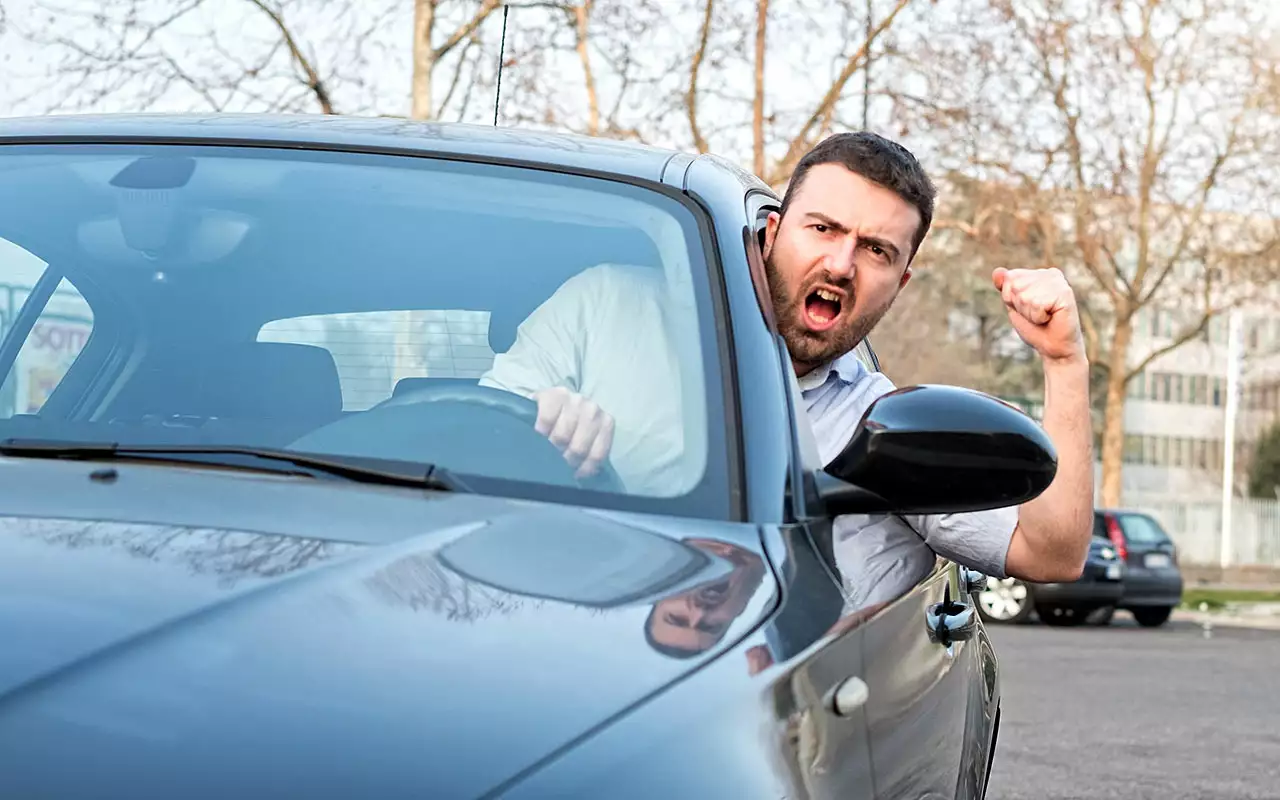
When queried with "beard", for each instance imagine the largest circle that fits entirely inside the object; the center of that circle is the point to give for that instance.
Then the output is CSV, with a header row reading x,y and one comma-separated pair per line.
x,y
811,348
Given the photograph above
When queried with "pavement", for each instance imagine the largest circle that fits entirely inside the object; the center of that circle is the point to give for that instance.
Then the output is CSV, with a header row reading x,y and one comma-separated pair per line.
x,y
1175,713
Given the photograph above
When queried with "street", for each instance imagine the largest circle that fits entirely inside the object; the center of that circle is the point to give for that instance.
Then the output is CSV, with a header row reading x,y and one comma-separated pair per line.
x,y
1125,712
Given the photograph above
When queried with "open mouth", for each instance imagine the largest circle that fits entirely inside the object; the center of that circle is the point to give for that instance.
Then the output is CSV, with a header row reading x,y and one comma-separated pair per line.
x,y
821,307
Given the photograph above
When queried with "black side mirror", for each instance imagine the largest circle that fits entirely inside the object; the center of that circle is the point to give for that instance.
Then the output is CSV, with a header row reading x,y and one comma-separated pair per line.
x,y
938,450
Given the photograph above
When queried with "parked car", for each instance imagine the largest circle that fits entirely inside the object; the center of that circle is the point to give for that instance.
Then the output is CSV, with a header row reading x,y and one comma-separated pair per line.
x,y
1153,580
1092,597
262,531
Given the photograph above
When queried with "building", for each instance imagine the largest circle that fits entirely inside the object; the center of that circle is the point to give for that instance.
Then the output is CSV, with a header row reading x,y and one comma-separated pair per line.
x,y
1175,413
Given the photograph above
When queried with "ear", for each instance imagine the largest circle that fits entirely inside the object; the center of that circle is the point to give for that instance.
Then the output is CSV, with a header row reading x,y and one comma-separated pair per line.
x,y
906,276
771,225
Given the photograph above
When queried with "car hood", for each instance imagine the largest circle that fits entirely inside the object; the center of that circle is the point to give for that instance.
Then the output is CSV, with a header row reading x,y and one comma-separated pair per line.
x,y
186,632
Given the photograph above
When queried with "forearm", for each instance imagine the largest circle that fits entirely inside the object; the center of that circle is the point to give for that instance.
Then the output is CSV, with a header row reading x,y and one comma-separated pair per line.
x,y
1051,542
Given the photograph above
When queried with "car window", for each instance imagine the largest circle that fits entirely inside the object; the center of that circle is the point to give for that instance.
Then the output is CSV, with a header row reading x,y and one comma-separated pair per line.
x,y
376,352
274,297
1142,529
1100,527
53,342
866,356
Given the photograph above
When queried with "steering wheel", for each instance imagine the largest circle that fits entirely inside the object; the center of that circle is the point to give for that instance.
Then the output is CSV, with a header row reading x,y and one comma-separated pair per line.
x,y
606,478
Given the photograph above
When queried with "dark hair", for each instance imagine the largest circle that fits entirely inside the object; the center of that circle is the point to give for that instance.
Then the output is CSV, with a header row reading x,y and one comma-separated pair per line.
x,y
879,160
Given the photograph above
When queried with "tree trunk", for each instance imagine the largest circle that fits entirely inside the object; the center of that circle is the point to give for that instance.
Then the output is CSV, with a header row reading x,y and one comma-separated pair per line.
x,y
757,110
1113,416
424,16
582,21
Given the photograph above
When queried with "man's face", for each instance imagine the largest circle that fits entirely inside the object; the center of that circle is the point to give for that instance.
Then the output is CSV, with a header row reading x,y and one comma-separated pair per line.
x,y
695,620
836,262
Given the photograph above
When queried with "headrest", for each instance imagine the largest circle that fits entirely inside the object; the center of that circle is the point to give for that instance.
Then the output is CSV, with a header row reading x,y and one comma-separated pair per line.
x,y
275,379
262,380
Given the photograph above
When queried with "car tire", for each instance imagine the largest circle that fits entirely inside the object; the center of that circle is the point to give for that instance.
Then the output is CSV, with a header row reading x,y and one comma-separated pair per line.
x,y
1152,617
1101,616
1060,616
1006,601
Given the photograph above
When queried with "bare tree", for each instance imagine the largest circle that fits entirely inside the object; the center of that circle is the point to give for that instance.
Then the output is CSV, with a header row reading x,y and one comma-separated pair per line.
x,y
427,53
1133,138
244,55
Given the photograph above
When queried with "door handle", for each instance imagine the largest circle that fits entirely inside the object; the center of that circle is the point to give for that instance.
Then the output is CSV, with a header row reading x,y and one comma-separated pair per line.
x,y
949,622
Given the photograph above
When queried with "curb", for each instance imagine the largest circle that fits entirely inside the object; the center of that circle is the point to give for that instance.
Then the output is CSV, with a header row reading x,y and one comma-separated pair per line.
x,y
1262,622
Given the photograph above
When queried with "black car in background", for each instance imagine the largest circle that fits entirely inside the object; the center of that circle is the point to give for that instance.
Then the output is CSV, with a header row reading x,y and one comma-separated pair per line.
x,y
1153,581
1092,597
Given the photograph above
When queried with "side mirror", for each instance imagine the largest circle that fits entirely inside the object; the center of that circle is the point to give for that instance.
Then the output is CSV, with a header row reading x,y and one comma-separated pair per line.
x,y
938,450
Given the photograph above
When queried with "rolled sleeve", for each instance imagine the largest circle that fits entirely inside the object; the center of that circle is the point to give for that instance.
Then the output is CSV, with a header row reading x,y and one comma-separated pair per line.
x,y
978,540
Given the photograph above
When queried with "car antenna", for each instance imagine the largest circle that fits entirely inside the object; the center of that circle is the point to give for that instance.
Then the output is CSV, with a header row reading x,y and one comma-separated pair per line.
x,y
502,50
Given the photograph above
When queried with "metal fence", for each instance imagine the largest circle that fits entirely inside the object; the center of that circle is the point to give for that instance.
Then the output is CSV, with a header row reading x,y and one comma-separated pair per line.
x,y
1196,528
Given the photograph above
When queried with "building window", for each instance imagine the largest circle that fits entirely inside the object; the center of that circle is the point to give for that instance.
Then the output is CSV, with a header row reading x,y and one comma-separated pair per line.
x,y
1198,394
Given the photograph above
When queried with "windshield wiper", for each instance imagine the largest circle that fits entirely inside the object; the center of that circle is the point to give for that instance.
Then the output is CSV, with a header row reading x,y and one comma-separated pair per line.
x,y
364,470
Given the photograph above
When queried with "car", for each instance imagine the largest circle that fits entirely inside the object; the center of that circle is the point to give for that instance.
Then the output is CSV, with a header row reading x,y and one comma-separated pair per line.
x,y
1153,580
1092,597
264,528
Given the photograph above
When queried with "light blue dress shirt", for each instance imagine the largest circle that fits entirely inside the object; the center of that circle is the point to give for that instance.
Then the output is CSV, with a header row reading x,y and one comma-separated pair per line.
x,y
880,557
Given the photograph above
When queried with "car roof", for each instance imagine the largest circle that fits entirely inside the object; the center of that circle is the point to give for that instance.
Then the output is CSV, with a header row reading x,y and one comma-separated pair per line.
x,y
464,140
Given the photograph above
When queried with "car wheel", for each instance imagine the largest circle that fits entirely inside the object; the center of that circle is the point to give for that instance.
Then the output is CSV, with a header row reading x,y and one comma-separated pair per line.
x,y
1060,616
1152,617
1007,600
1101,616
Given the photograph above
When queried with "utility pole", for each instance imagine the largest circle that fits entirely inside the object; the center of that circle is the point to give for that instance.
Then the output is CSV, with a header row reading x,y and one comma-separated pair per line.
x,y
1234,358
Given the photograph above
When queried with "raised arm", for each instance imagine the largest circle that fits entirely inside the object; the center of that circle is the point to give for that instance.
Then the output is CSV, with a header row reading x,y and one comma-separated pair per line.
x,y
1051,540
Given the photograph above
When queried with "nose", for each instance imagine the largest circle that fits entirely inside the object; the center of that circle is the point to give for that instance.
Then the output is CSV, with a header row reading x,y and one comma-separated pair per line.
x,y
840,262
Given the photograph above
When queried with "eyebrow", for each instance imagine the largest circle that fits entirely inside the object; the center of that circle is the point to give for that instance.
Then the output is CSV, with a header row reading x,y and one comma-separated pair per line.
x,y
840,227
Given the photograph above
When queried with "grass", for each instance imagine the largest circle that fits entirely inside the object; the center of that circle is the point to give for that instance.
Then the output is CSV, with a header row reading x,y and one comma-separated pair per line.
x,y
1219,598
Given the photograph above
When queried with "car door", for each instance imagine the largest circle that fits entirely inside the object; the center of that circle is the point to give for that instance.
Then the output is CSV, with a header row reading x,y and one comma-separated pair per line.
x,y
928,669
917,653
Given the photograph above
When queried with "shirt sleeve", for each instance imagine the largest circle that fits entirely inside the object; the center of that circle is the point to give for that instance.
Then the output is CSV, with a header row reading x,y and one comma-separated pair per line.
x,y
978,540
547,351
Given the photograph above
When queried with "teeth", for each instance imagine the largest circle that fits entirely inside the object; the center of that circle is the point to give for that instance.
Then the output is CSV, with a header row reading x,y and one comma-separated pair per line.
x,y
826,294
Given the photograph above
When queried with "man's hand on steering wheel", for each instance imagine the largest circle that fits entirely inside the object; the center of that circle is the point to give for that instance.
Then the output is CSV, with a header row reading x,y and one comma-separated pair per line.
x,y
581,430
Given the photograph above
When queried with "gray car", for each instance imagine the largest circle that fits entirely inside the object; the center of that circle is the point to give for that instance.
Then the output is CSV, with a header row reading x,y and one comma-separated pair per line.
x,y
263,532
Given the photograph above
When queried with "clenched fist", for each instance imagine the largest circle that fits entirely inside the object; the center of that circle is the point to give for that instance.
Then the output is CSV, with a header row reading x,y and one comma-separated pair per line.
x,y
577,426
1042,309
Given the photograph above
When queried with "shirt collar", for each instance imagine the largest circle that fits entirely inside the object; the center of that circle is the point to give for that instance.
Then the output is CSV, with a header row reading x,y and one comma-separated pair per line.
x,y
847,369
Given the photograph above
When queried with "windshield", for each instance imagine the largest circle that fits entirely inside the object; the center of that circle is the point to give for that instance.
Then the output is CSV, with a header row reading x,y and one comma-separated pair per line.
x,y
365,305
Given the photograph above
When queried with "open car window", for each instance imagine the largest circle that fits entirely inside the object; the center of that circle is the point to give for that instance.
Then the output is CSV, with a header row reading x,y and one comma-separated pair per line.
x,y
273,297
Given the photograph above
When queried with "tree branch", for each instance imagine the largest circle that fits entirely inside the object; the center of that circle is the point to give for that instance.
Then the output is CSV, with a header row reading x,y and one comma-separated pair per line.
x,y
691,96
312,77
466,29
800,142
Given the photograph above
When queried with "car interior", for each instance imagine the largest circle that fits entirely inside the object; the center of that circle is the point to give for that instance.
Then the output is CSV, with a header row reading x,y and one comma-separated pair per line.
x,y
175,354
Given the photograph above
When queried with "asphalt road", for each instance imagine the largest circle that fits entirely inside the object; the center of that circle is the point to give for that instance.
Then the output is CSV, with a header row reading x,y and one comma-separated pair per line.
x,y
1126,712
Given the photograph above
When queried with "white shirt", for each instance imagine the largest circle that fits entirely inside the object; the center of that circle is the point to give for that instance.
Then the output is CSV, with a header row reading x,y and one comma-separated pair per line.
x,y
603,335
878,556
